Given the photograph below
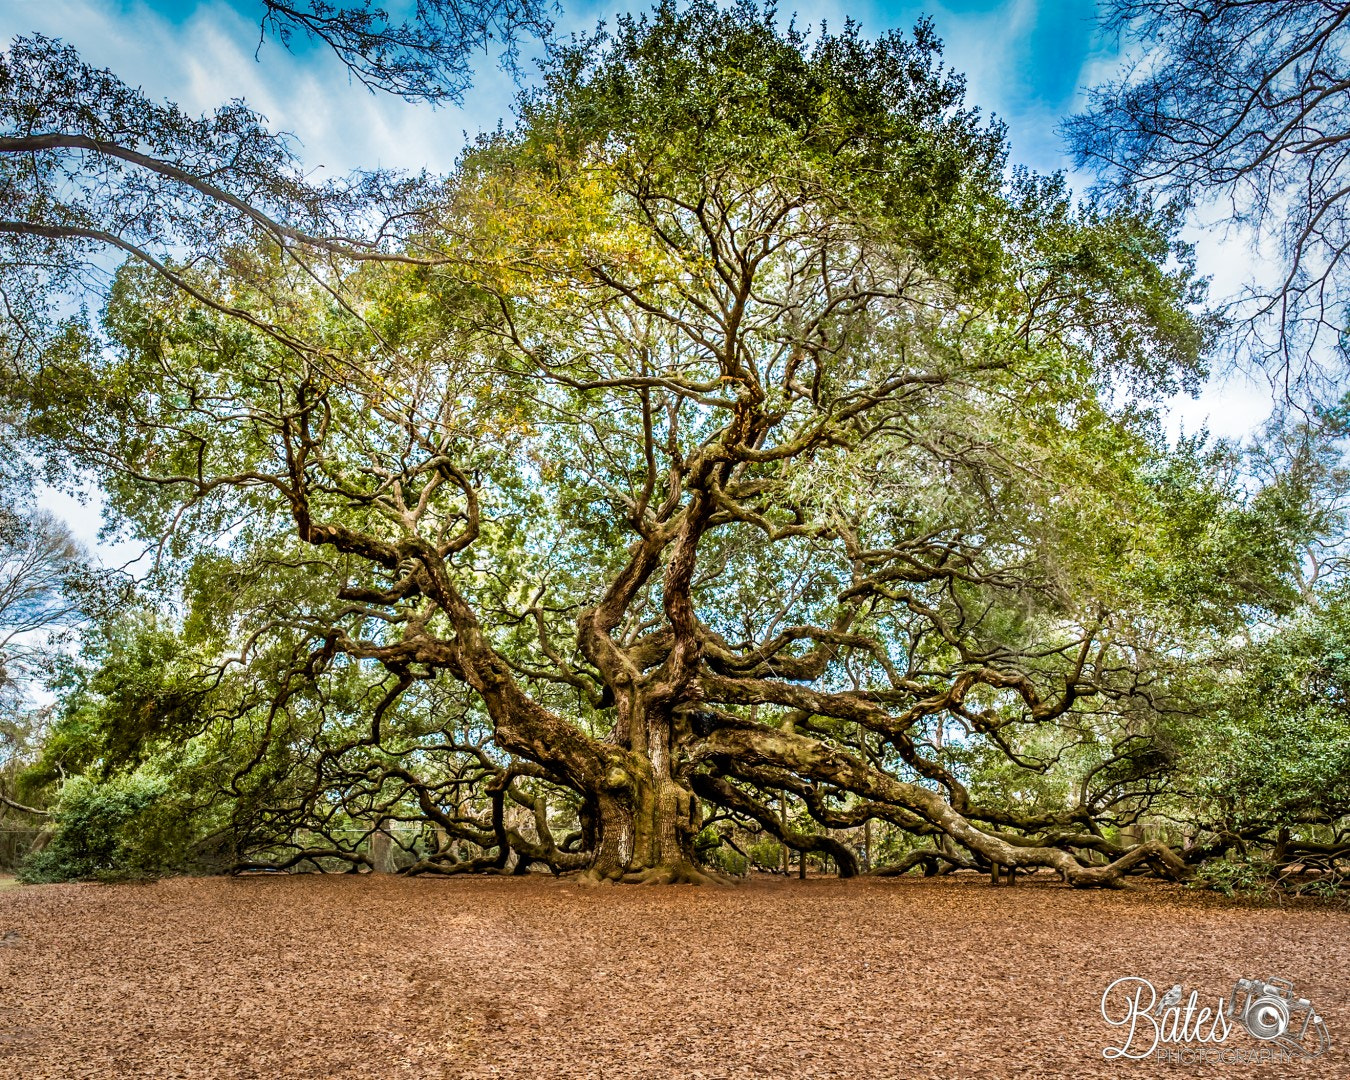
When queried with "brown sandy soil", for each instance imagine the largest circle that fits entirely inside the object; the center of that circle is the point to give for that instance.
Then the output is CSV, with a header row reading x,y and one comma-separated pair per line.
x,y
288,978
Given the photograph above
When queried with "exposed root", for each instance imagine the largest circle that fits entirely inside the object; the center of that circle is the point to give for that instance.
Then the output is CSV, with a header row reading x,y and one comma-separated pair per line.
x,y
594,877
684,873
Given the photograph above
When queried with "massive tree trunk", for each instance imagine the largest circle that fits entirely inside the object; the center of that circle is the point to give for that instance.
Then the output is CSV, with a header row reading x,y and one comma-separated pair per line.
x,y
645,832
646,818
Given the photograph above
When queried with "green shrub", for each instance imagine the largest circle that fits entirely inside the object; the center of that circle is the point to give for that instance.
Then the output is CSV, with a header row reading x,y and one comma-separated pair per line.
x,y
97,832
1249,877
716,854
766,854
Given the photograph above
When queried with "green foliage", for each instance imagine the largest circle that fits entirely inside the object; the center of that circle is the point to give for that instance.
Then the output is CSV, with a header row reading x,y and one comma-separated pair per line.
x,y
1236,877
1255,877
100,830
766,853
877,129
717,854
1277,749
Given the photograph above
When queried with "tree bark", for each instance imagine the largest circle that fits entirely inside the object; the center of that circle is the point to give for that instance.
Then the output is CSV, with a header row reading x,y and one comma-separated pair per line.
x,y
645,832
382,848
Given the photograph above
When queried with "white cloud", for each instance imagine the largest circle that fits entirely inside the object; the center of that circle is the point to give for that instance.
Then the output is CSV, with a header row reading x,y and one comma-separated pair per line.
x,y
83,513
1232,406
208,58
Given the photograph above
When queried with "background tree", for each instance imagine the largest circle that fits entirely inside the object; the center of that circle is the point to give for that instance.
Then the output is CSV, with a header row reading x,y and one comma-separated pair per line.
x,y
1243,109
40,571
1241,112
92,171
40,565
1269,771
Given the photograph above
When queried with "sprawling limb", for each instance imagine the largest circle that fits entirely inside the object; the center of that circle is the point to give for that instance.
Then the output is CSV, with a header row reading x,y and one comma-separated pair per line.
x,y
775,748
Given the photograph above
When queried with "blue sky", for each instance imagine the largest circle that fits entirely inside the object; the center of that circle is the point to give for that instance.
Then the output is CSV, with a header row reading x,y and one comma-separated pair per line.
x,y
1026,61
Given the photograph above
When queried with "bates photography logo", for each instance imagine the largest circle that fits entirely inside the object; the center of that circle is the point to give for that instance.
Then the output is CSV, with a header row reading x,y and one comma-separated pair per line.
x,y
1262,1020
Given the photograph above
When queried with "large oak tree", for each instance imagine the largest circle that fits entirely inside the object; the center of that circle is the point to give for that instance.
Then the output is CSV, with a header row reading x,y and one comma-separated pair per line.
x,y
743,434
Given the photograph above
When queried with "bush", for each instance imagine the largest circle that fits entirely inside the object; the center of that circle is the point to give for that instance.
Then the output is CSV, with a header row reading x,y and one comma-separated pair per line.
x,y
1255,877
1250,877
718,855
97,832
766,854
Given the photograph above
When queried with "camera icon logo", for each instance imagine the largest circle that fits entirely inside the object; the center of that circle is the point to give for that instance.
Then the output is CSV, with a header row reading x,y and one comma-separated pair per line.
x,y
1271,1011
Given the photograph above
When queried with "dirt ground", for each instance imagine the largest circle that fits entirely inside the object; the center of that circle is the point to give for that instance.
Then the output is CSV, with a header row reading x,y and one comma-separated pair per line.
x,y
290,978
